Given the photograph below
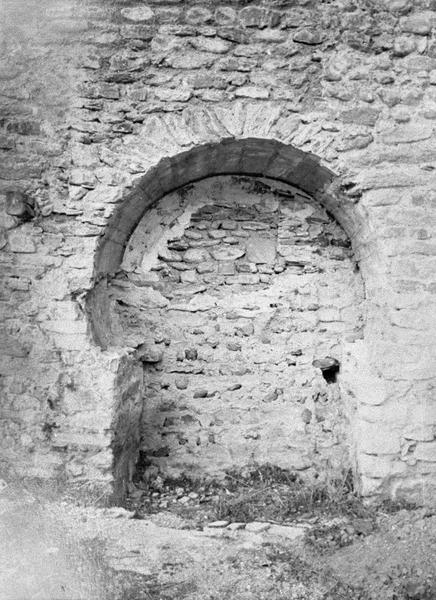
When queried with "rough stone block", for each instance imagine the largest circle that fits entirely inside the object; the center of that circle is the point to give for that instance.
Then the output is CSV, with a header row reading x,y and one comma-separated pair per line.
x,y
214,45
128,106
254,16
418,23
425,451
228,253
405,134
370,486
198,15
181,94
260,250
249,91
89,439
360,116
380,466
191,60
196,255
20,242
421,433
149,354
65,326
287,532
83,178
309,37
378,438
225,15
139,14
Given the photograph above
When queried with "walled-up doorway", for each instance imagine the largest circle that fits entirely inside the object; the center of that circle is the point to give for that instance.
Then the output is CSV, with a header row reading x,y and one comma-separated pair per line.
x,y
238,294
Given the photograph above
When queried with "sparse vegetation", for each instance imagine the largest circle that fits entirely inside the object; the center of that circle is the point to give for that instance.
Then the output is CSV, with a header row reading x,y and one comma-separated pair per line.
x,y
350,552
308,573
269,493
326,537
255,493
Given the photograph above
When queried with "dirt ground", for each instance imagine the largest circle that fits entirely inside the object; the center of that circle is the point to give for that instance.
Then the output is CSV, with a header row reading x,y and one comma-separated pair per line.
x,y
73,550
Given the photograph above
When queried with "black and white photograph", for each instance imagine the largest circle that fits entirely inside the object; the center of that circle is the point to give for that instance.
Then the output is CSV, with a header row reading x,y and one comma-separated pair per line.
x,y
218,300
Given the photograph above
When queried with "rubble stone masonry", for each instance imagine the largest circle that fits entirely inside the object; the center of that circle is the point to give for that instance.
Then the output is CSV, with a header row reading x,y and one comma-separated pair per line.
x,y
217,244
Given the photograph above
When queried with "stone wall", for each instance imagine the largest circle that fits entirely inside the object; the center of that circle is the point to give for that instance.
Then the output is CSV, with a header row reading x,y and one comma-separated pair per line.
x,y
106,107
234,293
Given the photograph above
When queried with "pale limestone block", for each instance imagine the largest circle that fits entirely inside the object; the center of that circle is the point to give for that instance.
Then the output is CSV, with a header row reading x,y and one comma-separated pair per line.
x,y
426,451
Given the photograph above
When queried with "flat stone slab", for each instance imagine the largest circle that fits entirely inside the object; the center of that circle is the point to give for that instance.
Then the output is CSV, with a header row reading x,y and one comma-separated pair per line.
x,y
260,250
199,303
196,255
257,527
236,526
405,134
138,14
231,253
288,532
218,524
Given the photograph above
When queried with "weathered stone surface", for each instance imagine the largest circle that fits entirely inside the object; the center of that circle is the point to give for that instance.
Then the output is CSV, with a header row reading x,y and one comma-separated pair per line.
x,y
198,15
250,91
236,526
380,466
200,303
20,242
8,222
191,354
191,60
76,102
205,267
271,396
425,451
360,116
287,532
257,527
233,346
217,234
214,45
225,15
325,363
181,383
416,63
355,142
228,253
404,45
253,16
375,440
181,94
306,36
17,204
83,177
149,354
218,524
188,276
225,331
419,23
260,250
271,35
141,14
423,433
404,134
196,255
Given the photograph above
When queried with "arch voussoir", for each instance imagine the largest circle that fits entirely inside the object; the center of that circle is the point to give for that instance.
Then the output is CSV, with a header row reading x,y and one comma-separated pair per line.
x,y
263,157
